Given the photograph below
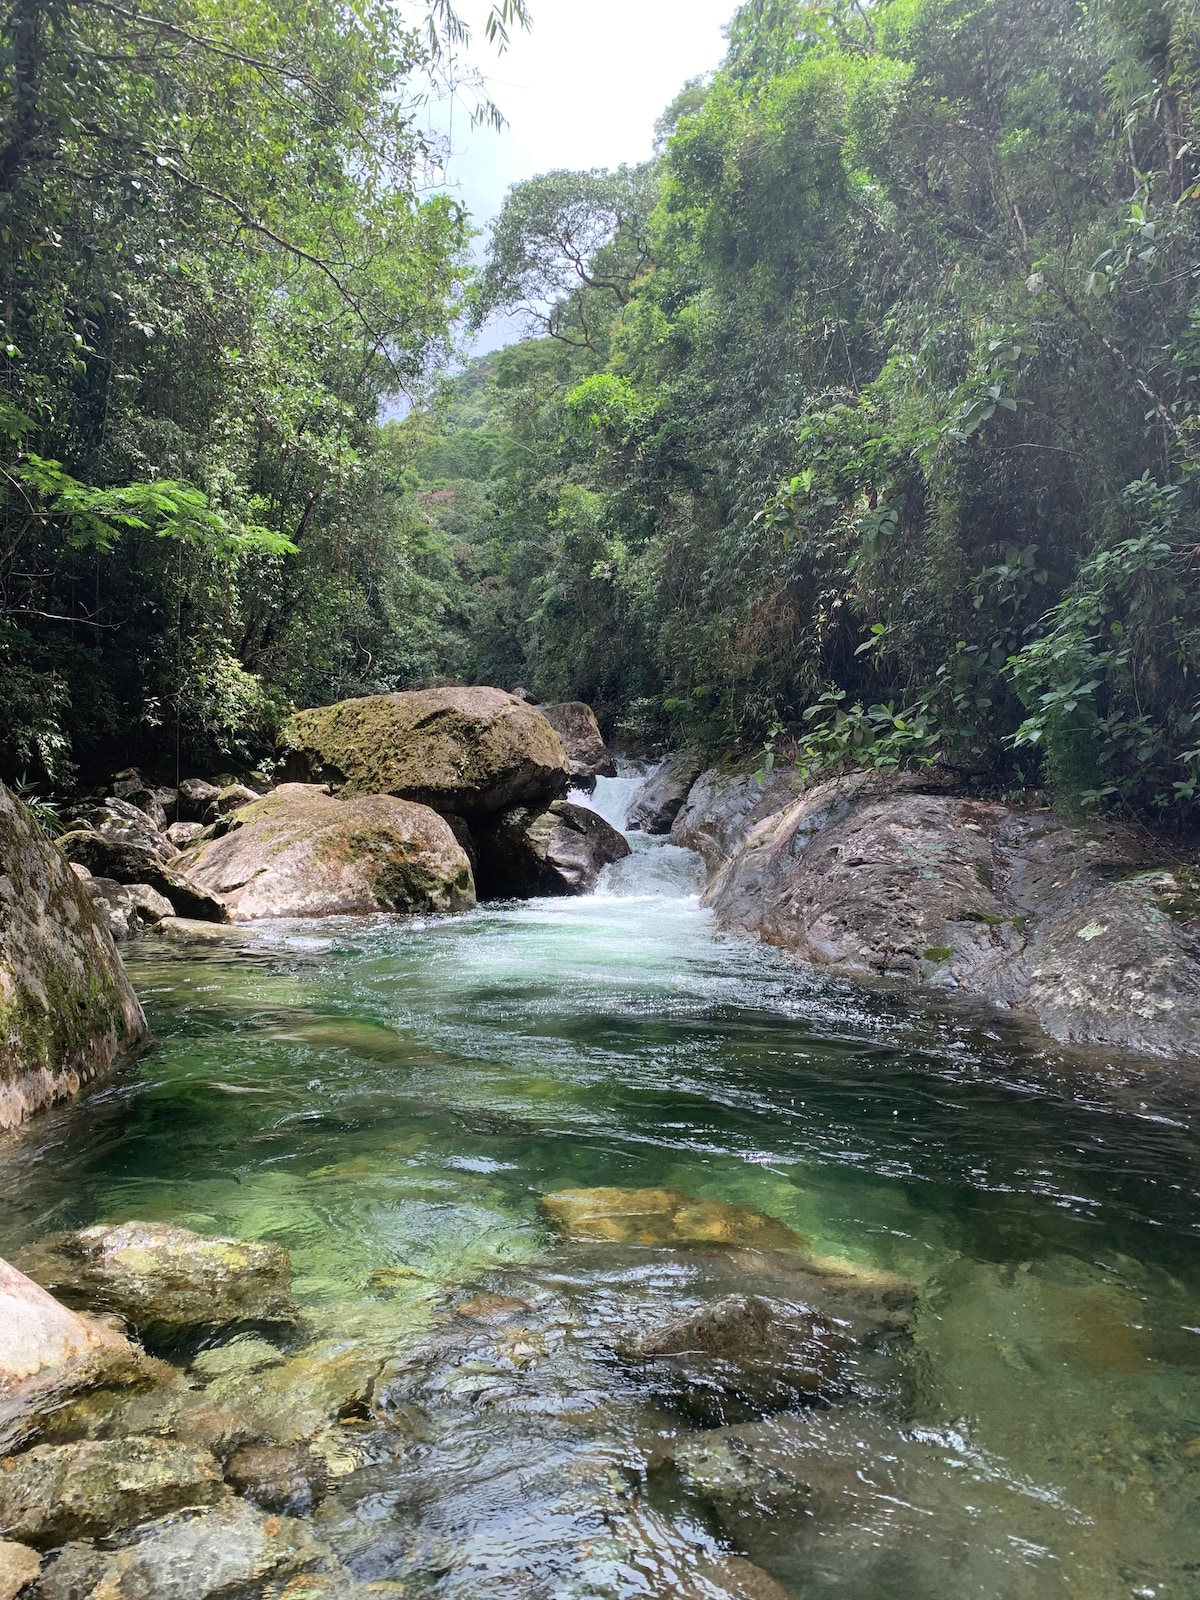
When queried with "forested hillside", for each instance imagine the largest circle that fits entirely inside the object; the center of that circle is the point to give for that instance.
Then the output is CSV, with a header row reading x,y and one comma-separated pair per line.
x,y
865,416
861,422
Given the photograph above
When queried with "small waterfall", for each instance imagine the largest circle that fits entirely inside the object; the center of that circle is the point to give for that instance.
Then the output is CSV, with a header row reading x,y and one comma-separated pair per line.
x,y
656,869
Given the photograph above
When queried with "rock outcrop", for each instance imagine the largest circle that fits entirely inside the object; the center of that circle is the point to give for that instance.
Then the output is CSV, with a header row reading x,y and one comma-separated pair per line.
x,y
575,724
300,853
560,851
724,805
1089,929
472,751
661,798
166,1282
67,1009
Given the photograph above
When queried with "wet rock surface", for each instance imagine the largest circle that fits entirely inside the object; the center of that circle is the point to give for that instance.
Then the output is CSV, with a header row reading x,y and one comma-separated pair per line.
x,y
299,852
723,806
166,1282
1087,929
472,751
560,851
661,797
53,1493
663,1217
67,1009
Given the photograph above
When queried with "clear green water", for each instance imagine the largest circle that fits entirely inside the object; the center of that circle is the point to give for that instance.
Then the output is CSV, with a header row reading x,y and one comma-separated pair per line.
x,y
389,1093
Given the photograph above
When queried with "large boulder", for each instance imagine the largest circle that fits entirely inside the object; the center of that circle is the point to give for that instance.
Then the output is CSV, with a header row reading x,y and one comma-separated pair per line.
x,y
661,797
575,724
1089,929
471,751
125,823
560,851
300,853
129,862
66,1006
168,1283
48,1352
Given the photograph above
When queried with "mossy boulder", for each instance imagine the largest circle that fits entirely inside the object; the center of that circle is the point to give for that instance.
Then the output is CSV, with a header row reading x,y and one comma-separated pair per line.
x,y
300,853
167,1282
472,751
67,1009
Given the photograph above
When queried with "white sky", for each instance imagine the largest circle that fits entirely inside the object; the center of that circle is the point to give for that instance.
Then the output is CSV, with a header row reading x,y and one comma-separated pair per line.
x,y
581,89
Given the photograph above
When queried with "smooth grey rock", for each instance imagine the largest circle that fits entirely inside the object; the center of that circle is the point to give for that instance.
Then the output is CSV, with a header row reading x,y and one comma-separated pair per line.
x,y
722,807
198,800
128,908
661,798
183,834
125,823
127,862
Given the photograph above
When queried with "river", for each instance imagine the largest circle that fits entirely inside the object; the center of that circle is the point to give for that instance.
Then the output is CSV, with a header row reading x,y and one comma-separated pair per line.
x,y
388,1099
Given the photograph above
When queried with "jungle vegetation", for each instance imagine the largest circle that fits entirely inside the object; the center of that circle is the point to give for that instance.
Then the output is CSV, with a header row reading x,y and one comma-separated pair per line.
x,y
860,422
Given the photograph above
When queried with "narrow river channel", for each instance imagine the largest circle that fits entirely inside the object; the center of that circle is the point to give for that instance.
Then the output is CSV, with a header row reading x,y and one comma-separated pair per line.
x,y
389,1099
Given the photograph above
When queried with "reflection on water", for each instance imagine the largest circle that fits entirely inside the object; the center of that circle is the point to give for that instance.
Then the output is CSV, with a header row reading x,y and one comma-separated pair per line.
x,y
396,1095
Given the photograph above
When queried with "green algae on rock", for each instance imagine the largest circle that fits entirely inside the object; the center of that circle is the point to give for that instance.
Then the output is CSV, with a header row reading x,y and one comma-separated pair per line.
x,y
299,853
472,751
167,1282
93,1487
67,1009
663,1217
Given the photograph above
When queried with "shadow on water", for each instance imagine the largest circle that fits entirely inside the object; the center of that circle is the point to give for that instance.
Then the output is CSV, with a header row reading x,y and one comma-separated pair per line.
x,y
398,1094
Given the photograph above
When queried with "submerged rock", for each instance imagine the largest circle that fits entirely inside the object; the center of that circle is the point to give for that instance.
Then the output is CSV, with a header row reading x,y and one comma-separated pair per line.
x,y
575,724
745,1348
67,1009
473,751
663,1217
279,1477
167,1282
300,853
53,1493
19,1566
47,1353
294,1401
561,851
660,799
873,876
225,1553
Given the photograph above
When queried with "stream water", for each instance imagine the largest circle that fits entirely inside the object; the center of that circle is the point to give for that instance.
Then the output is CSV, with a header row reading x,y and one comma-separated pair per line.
x,y
397,1094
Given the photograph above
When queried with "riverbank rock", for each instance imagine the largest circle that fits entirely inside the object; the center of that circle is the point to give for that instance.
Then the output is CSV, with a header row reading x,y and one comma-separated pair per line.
x,y
19,1566
575,724
48,1352
127,908
129,863
1086,928
67,1009
226,1553
663,1217
660,799
198,800
125,823
300,853
723,806
93,1487
471,751
166,1282
560,851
